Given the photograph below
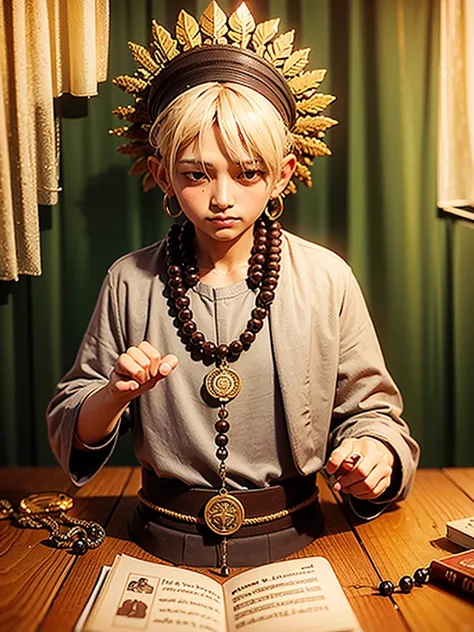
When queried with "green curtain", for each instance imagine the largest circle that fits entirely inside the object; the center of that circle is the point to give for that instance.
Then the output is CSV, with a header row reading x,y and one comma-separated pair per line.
x,y
373,201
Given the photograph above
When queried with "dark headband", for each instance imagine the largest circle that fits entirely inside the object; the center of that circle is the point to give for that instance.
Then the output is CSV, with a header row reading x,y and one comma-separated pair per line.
x,y
221,63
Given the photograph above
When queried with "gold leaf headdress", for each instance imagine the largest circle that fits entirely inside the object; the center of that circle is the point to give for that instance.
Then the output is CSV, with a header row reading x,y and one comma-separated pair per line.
x,y
261,42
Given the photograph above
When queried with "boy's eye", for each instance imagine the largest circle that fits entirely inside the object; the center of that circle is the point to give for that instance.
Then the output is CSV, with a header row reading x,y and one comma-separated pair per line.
x,y
250,174
196,175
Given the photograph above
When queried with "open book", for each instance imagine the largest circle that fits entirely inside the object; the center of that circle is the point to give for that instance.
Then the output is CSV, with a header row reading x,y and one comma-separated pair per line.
x,y
296,595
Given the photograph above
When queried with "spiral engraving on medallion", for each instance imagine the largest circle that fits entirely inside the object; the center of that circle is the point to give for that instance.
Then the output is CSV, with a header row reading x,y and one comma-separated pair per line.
x,y
224,515
223,383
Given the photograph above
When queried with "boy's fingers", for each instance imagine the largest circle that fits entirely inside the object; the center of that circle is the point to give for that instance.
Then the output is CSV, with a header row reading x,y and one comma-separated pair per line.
x,y
124,386
367,483
167,364
339,455
153,355
359,472
141,359
127,366
374,485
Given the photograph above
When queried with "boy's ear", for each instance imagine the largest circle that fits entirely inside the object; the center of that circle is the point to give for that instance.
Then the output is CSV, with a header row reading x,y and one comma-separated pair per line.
x,y
287,169
158,172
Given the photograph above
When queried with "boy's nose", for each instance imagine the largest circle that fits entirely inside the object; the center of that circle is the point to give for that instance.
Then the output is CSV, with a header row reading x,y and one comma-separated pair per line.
x,y
222,196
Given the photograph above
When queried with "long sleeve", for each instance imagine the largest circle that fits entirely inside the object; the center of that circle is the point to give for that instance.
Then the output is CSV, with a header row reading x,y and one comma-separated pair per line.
x,y
367,401
102,344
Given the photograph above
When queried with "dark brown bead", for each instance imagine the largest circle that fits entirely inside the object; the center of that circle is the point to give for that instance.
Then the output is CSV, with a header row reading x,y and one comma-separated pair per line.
x,y
273,257
256,267
260,248
259,312
247,337
222,440
181,302
175,281
176,292
197,339
185,314
274,242
268,286
236,347
257,259
273,265
261,231
256,277
266,297
191,269
173,270
209,349
192,279
255,324
270,282
274,234
222,426
222,454
223,413
274,250
222,351
274,225
189,327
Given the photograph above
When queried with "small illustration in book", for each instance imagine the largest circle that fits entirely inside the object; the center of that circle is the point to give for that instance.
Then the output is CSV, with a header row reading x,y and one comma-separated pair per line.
x,y
132,608
140,585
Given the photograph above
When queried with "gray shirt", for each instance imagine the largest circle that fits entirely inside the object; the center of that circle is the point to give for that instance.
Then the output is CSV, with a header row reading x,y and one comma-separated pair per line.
x,y
180,444
318,354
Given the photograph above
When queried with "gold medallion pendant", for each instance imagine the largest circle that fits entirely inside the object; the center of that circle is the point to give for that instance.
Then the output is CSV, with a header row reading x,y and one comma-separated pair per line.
x,y
223,383
224,514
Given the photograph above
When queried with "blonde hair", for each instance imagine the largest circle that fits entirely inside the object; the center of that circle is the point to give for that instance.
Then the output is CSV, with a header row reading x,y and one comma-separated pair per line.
x,y
248,124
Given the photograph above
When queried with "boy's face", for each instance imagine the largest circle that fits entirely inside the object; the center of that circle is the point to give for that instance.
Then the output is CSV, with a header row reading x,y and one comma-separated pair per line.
x,y
222,199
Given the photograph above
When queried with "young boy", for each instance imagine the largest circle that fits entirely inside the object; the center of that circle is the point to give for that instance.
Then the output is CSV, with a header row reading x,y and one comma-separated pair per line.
x,y
242,357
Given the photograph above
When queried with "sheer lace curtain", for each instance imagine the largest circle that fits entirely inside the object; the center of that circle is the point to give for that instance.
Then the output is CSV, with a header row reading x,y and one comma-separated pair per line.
x,y
47,47
456,99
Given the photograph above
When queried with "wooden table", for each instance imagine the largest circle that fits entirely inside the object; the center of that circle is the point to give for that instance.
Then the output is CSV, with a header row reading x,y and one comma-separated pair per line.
x,y
45,589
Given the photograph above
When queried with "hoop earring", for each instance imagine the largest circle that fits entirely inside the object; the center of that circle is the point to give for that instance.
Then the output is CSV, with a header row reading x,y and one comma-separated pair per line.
x,y
167,208
278,207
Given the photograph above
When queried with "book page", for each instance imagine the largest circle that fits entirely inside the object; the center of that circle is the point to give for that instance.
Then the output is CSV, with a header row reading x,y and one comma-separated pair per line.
x,y
297,595
103,574
141,595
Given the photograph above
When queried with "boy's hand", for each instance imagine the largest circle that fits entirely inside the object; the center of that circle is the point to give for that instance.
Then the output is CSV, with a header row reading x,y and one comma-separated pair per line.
x,y
139,370
361,467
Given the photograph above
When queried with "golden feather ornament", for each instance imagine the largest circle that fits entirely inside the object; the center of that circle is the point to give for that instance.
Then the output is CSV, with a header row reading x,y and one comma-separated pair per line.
x,y
143,57
305,85
312,124
280,49
315,104
213,24
165,46
296,62
310,146
187,31
132,85
241,26
239,29
263,34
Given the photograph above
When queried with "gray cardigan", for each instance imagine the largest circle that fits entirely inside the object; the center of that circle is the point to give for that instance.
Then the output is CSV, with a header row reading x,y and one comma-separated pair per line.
x,y
333,380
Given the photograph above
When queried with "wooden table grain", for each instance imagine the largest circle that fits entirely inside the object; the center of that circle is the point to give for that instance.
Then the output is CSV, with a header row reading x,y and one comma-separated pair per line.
x,y
44,589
